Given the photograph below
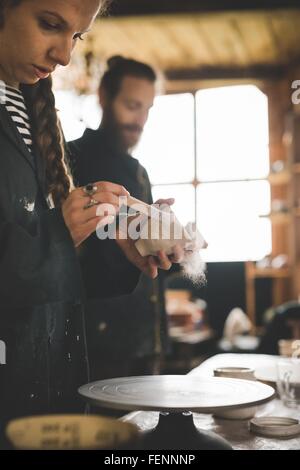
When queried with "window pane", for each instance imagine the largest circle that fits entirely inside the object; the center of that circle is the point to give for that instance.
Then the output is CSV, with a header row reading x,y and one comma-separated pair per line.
x,y
232,133
166,148
77,112
184,195
228,217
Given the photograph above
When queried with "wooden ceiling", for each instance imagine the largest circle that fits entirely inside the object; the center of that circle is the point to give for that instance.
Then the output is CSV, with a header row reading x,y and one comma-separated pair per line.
x,y
194,43
150,7
200,40
199,43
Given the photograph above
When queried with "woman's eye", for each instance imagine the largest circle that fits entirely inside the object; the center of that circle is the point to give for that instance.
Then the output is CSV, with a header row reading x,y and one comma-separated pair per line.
x,y
49,26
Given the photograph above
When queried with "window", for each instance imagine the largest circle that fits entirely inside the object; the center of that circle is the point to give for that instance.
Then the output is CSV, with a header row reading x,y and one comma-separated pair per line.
x,y
232,134
228,216
232,163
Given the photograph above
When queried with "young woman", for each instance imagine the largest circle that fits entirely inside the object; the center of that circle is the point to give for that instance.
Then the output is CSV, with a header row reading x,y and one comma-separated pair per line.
x,y
42,217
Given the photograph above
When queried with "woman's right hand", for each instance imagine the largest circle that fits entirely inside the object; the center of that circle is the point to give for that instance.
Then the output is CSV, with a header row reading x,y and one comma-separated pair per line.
x,y
82,221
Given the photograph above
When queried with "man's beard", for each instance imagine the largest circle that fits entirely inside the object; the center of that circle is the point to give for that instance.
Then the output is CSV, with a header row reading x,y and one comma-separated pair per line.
x,y
116,132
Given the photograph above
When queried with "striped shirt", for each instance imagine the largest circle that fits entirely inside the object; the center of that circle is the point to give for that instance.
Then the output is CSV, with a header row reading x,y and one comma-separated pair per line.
x,y
13,100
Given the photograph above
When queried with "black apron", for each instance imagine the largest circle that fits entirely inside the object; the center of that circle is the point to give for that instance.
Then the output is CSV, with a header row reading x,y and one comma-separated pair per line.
x,y
41,296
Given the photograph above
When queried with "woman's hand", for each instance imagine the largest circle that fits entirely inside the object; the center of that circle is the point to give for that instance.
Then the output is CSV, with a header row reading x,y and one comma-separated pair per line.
x,y
83,220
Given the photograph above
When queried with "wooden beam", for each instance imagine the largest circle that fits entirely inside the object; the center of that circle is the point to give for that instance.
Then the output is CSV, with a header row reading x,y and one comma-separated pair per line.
x,y
192,86
207,73
156,7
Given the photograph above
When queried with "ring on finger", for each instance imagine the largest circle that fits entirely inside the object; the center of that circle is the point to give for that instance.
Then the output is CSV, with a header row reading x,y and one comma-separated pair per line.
x,y
92,202
90,189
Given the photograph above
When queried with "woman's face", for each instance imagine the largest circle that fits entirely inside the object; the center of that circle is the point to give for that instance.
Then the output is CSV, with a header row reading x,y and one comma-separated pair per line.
x,y
39,35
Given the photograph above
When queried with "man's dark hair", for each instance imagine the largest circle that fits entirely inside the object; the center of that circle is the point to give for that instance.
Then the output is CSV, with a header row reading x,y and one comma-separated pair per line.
x,y
120,67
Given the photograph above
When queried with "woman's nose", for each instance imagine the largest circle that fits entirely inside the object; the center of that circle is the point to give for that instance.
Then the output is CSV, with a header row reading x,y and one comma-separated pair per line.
x,y
61,53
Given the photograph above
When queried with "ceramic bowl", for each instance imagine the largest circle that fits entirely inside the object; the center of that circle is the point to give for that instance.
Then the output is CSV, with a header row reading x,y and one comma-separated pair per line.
x,y
236,373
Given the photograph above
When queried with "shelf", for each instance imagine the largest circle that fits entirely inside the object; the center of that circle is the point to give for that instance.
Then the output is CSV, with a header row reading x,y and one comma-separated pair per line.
x,y
278,217
284,217
283,177
269,272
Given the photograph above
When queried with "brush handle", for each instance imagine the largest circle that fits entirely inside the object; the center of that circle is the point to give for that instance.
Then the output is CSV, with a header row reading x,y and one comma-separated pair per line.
x,y
144,208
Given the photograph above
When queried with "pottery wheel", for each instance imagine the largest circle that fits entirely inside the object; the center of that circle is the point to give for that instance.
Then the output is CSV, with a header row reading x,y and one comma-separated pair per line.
x,y
175,393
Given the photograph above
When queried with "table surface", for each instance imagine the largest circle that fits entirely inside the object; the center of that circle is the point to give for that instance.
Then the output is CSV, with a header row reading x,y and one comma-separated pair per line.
x,y
236,432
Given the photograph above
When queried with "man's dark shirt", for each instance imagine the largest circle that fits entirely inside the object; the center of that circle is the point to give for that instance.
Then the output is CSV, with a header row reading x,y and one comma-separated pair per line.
x,y
93,159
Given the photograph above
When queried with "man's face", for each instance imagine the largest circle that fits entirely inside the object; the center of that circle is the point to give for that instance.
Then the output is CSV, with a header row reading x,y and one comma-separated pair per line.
x,y
127,114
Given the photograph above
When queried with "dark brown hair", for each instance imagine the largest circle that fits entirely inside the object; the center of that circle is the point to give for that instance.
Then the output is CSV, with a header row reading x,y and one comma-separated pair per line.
x,y
46,130
120,67
48,138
